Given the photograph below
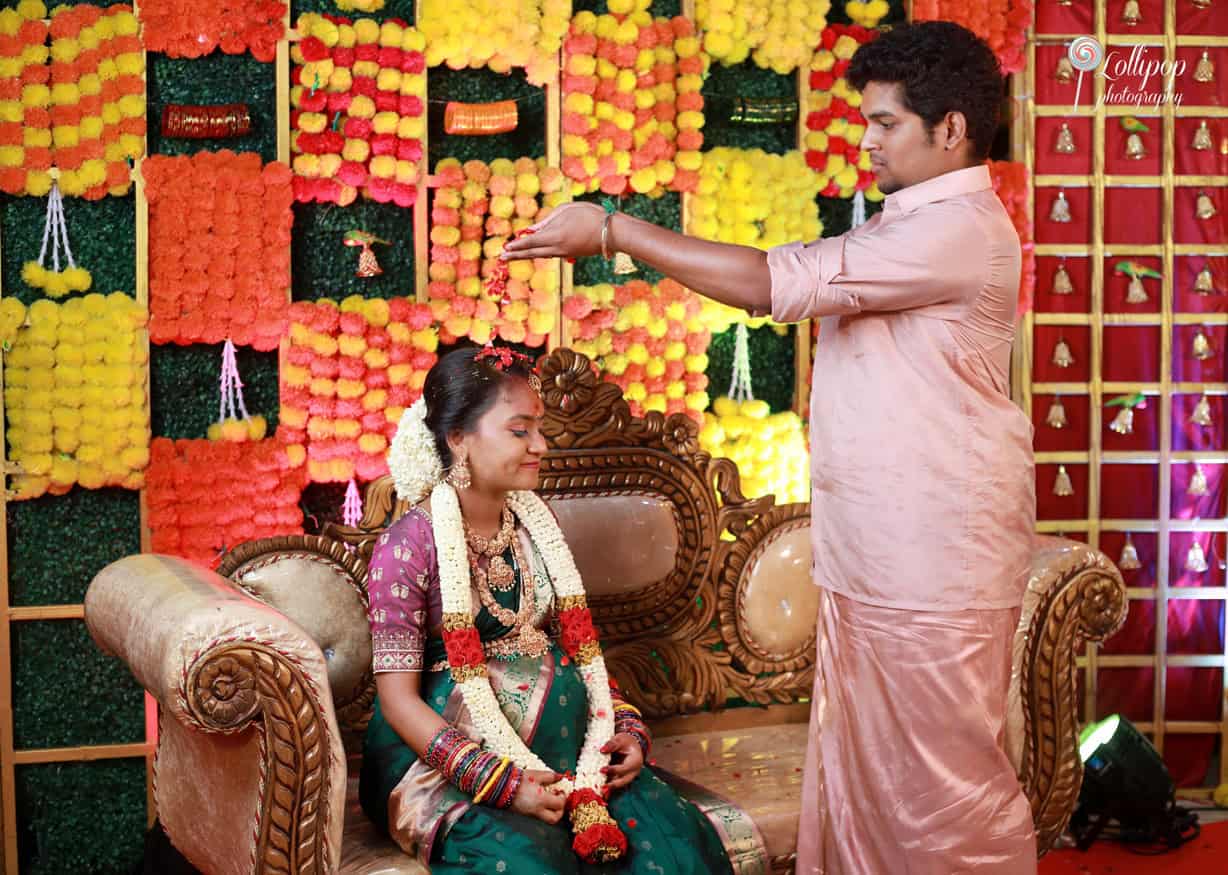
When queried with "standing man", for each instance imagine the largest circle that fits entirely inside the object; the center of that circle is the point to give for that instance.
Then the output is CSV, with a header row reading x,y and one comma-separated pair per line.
x,y
922,501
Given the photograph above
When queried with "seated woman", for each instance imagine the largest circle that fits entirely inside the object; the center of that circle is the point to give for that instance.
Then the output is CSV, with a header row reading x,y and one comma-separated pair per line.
x,y
495,746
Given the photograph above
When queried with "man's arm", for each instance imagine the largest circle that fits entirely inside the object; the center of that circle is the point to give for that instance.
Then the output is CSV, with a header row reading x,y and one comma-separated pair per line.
x,y
734,275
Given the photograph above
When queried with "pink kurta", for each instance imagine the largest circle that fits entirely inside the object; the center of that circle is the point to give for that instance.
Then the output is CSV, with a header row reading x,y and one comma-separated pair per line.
x,y
923,510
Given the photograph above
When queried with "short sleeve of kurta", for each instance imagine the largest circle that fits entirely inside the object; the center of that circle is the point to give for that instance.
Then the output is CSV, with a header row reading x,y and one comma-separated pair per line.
x,y
402,570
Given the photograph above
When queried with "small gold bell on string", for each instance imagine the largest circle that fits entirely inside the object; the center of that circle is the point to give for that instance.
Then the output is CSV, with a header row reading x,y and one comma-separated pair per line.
x,y
1195,559
1135,150
1056,418
623,264
1202,346
1204,70
1062,356
1202,138
1060,211
1198,483
1129,556
1064,72
1065,141
1061,280
1201,4
1136,292
1064,2
1205,208
1202,412
1204,283
1130,14
1061,484
1123,422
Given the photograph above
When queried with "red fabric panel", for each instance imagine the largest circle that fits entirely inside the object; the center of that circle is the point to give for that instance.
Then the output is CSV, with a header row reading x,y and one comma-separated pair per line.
x,y
1213,161
1192,694
1179,544
1194,626
1186,368
1054,507
1078,268
1055,18
1189,435
1115,161
1201,93
1152,21
1146,432
1146,544
1212,21
1198,507
1129,491
1077,230
1050,92
1132,216
1126,691
1187,227
1045,338
1185,299
1073,437
1137,636
1050,161
1117,285
1131,354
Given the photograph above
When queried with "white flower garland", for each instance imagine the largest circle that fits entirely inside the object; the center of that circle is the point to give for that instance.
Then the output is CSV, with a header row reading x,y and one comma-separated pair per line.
x,y
476,692
413,460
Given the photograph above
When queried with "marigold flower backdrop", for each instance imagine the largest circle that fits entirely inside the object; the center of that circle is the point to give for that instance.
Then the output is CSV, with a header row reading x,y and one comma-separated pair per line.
x,y
252,251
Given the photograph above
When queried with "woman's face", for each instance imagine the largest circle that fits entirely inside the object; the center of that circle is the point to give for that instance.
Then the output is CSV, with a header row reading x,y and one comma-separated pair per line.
x,y
506,448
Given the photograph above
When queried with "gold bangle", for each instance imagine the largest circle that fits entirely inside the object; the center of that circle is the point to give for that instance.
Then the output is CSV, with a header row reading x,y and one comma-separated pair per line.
x,y
605,236
492,780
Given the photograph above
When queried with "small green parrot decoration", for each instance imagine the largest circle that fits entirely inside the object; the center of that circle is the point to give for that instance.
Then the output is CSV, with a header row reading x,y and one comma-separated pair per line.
x,y
1129,401
1132,125
1134,270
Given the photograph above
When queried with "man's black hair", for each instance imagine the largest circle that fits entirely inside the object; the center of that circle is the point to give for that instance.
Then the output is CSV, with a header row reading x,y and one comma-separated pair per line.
x,y
941,67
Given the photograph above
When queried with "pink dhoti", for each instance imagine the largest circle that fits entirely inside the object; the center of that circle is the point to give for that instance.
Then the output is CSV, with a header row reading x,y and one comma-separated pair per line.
x,y
905,772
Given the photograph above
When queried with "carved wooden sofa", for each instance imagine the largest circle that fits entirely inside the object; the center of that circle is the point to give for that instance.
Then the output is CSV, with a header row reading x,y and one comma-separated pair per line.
x,y
263,673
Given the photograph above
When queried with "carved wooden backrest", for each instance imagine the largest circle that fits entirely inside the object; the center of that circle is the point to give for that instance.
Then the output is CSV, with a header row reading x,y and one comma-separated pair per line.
x,y
687,618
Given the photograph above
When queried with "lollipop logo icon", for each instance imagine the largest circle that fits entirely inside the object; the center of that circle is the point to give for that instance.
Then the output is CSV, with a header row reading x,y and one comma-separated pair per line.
x,y
1085,54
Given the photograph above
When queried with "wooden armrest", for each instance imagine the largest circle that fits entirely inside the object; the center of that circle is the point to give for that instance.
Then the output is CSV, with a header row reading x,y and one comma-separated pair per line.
x,y
254,741
1075,594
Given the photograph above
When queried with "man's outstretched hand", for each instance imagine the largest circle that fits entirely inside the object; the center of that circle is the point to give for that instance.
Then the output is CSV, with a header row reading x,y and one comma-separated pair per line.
x,y
571,231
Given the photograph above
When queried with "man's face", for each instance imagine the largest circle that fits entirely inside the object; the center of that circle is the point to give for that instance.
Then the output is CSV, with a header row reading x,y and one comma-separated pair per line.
x,y
902,151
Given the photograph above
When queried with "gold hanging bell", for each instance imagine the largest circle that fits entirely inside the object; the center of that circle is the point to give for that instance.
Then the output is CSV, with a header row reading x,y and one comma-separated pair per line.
x,y
1202,412
1135,149
1065,141
1128,561
1195,559
1204,208
1061,280
1202,138
1060,210
623,264
1204,70
1202,346
1062,356
1131,14
1201,4
1123,422
1056,418
1062,486
1064,72
1204,283
1136,292
1198,483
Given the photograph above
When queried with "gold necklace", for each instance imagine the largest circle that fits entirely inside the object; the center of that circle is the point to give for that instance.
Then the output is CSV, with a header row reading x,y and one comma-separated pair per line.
x,y
497,573
524,639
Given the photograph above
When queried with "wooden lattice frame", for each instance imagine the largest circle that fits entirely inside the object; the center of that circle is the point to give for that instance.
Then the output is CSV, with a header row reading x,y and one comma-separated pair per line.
x,y
1097,389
